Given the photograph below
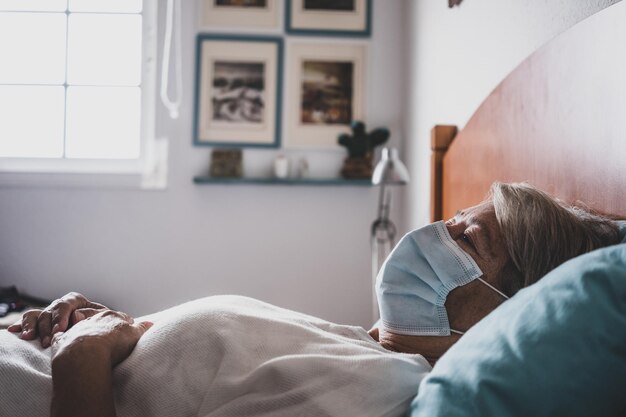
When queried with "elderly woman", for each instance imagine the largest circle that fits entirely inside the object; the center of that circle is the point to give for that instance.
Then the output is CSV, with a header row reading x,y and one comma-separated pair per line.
x,y
438,282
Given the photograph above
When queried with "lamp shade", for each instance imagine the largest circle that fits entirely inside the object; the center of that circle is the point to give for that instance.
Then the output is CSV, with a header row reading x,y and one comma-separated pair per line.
x,y
390,170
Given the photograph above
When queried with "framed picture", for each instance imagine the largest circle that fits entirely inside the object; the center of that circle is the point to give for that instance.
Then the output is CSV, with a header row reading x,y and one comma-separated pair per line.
x,y
325,91
329,17
238,90
252,14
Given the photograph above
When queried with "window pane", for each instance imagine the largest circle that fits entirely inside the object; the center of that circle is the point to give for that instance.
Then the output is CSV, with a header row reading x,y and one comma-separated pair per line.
x,y
103,122
34,5
111,6
31,121
32,47
101,55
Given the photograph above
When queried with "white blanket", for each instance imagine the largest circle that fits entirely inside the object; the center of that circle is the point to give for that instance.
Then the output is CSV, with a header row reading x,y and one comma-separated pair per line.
x,y
233,356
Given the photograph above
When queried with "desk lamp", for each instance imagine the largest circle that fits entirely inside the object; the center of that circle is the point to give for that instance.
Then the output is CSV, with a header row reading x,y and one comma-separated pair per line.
x,y
389,171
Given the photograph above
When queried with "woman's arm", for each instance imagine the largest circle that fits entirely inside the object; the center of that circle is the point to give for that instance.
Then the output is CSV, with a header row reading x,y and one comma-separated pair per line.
x,y
83,359
82,384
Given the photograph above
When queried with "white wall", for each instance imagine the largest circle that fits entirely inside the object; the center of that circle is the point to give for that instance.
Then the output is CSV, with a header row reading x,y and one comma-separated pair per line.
x,y
297,247
459,55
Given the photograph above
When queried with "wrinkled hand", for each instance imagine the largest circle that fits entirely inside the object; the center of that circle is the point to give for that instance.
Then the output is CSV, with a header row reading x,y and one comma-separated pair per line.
x,y
111,333
83,359
57,317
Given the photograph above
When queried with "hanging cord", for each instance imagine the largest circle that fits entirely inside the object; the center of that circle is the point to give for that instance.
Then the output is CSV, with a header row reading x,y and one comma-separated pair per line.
x,y
172,105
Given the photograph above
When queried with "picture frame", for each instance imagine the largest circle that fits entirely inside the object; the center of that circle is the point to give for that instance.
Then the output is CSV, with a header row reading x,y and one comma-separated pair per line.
x,y
253,14
329,17
325,91
238,91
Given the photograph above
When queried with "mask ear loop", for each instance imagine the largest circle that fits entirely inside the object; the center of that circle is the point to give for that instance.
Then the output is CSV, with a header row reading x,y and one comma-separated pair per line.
x,y
493,288
490,286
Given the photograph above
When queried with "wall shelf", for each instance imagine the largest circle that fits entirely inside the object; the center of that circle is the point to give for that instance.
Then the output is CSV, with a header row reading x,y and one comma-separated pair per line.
x,y
277,181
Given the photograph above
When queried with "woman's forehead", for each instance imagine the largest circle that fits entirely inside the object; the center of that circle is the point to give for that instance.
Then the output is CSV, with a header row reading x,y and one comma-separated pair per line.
x,y
484,216
483,210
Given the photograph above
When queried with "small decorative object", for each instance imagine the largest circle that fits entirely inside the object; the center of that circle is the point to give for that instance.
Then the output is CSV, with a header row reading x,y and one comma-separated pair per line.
x,y
326,89
389,171
302,168
238,96
361,146
240,13
226,163
281,167
329,17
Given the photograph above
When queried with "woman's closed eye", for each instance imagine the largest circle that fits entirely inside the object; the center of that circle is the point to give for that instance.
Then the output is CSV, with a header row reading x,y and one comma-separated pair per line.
x,y
468,239
472,236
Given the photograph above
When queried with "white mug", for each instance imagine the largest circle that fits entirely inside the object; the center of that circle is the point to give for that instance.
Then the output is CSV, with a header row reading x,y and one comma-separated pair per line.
x,y
281,167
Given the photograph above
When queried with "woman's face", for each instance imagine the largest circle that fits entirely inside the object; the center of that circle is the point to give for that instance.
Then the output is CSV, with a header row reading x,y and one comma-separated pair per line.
x,y
477,232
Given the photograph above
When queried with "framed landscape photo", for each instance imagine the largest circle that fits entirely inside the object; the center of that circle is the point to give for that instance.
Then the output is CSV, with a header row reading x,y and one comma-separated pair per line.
x,y
329,17
325,92
238,90
252,14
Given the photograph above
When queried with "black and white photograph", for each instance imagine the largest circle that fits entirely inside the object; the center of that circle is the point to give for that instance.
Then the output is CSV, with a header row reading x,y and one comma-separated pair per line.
x,y
331,5
241,3
238,92
326,92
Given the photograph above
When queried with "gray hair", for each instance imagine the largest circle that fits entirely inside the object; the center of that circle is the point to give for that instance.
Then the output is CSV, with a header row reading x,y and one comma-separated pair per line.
x,y
542,232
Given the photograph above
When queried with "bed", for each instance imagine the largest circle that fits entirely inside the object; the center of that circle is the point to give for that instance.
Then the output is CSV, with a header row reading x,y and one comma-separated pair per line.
x,y
558,121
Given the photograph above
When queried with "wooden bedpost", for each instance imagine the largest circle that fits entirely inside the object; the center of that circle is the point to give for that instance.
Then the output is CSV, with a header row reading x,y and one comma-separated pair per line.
x,y
441,136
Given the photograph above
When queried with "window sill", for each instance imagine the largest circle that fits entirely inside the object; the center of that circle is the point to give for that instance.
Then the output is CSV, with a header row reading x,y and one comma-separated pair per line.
x,y
149,174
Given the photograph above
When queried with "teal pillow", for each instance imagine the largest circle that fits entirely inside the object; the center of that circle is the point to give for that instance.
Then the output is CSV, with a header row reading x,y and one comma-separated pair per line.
x,y
558,348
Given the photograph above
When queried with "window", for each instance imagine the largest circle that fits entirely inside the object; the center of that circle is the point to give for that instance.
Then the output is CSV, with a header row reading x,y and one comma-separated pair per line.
x,y
76,85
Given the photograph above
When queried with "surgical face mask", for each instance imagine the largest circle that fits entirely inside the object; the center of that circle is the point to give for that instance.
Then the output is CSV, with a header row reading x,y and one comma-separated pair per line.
x,y
415,280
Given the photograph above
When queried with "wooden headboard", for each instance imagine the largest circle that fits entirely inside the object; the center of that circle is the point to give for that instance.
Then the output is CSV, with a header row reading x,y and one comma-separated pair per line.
x,y
558,121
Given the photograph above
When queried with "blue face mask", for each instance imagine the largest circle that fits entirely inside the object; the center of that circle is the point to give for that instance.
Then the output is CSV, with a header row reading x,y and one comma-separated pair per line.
x,y
415,280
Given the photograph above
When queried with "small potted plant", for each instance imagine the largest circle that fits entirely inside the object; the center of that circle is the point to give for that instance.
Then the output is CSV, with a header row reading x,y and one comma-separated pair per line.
x,y
361,146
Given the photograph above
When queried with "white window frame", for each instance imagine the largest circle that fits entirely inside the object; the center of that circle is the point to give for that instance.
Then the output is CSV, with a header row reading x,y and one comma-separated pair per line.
x,y
147,171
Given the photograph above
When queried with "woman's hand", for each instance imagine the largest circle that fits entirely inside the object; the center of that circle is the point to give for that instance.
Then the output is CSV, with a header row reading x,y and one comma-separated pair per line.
x,y
57,317
82,362
107,332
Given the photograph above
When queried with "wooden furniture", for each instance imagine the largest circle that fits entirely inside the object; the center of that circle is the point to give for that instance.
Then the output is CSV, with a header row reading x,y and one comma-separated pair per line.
x,y
558,121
